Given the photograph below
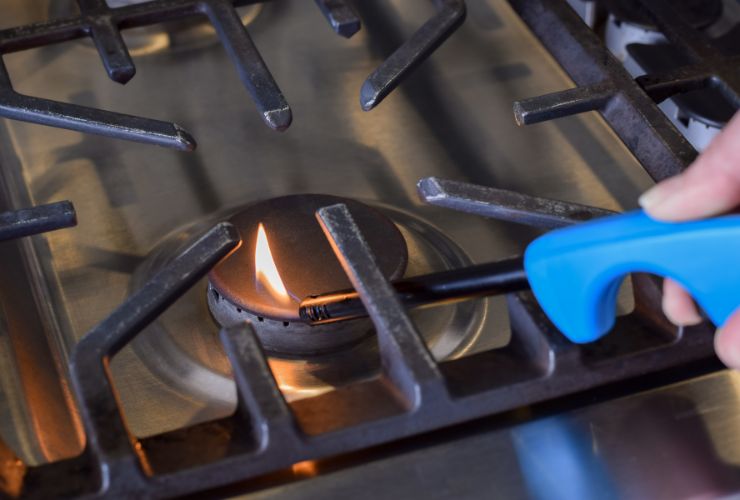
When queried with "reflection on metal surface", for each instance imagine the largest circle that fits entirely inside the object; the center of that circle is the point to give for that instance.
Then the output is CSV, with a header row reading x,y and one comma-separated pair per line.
x,y
37,419
679,441
305,469
629,448
13,470
559,461
684,445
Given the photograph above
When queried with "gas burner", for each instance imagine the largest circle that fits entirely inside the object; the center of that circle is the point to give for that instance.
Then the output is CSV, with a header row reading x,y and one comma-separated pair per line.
x,y
643,49
285,257
700,114
628,23
181,349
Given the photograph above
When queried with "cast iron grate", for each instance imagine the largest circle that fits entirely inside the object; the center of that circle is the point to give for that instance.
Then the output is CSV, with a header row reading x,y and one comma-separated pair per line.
x,y
103,24
267,434
36,220
603,84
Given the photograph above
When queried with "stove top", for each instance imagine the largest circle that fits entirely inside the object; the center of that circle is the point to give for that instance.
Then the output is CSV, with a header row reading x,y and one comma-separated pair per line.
x,y
207,408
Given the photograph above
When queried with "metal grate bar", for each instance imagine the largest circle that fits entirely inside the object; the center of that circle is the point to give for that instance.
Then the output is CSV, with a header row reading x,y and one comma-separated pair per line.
x,y
41,219
605,85
341,16
406,359
103,24
108,439
509,206
108,40
538,364
250,66
564,103
450,15
91,120
268,412
684,79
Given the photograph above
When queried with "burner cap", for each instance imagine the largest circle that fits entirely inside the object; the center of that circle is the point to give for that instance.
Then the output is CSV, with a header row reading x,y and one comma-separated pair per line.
x,y
306,265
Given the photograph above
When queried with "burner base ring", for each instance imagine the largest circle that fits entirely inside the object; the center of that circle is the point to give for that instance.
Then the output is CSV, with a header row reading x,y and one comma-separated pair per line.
x,y
291,338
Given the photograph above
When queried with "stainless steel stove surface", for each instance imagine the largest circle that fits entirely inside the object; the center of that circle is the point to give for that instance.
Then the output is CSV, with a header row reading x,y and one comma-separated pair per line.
x,y
139,205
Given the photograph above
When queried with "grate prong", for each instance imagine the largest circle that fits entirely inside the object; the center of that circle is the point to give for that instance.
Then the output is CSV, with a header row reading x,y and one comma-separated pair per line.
x,y
450,15
107,38
103,25
35,220
501,204
341,16
249,64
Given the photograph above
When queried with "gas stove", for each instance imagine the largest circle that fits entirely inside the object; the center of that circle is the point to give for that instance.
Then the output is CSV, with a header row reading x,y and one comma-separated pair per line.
x,y
263,152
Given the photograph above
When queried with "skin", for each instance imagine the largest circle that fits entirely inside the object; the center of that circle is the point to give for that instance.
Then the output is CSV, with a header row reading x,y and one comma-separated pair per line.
x,y
709,187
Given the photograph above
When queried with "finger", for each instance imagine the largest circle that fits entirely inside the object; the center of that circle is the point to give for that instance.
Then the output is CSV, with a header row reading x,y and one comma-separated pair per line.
x,y
710,186
727,342
678,306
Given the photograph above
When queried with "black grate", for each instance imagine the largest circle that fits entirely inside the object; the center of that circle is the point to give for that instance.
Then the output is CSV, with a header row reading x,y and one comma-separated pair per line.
x,y
450,15
603,84
104,24
41,219
266,433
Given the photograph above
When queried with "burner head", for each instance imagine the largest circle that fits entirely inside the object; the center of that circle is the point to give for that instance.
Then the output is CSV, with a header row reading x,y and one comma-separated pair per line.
x,y
629,23
306,265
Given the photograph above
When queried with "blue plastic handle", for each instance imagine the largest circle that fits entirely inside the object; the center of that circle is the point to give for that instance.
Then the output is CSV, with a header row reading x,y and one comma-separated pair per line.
x,y
575,272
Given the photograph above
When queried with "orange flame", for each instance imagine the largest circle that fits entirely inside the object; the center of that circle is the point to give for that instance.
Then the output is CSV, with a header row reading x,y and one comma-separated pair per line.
x,y
265,268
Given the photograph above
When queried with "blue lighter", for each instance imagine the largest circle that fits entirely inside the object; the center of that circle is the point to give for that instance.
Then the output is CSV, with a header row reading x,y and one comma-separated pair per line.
x,y
575,272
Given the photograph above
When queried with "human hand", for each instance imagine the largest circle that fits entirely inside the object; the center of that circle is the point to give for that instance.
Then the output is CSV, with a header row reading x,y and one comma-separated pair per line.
x,y
710,186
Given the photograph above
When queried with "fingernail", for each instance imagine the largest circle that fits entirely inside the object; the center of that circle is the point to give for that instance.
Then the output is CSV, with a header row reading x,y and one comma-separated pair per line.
x,y
679,308
691,318
682,317
727,348
654,196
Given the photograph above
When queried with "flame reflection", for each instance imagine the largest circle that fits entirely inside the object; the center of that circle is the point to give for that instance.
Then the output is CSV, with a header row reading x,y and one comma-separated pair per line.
x,y
305,469
265,269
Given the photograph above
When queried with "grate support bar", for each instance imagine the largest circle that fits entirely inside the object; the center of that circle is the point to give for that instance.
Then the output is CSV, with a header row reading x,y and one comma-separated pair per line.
x,y
108,439
504,205
341,16
603,85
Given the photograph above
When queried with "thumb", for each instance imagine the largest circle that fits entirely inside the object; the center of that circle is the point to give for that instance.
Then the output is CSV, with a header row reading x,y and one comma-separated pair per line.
x,y
710,186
